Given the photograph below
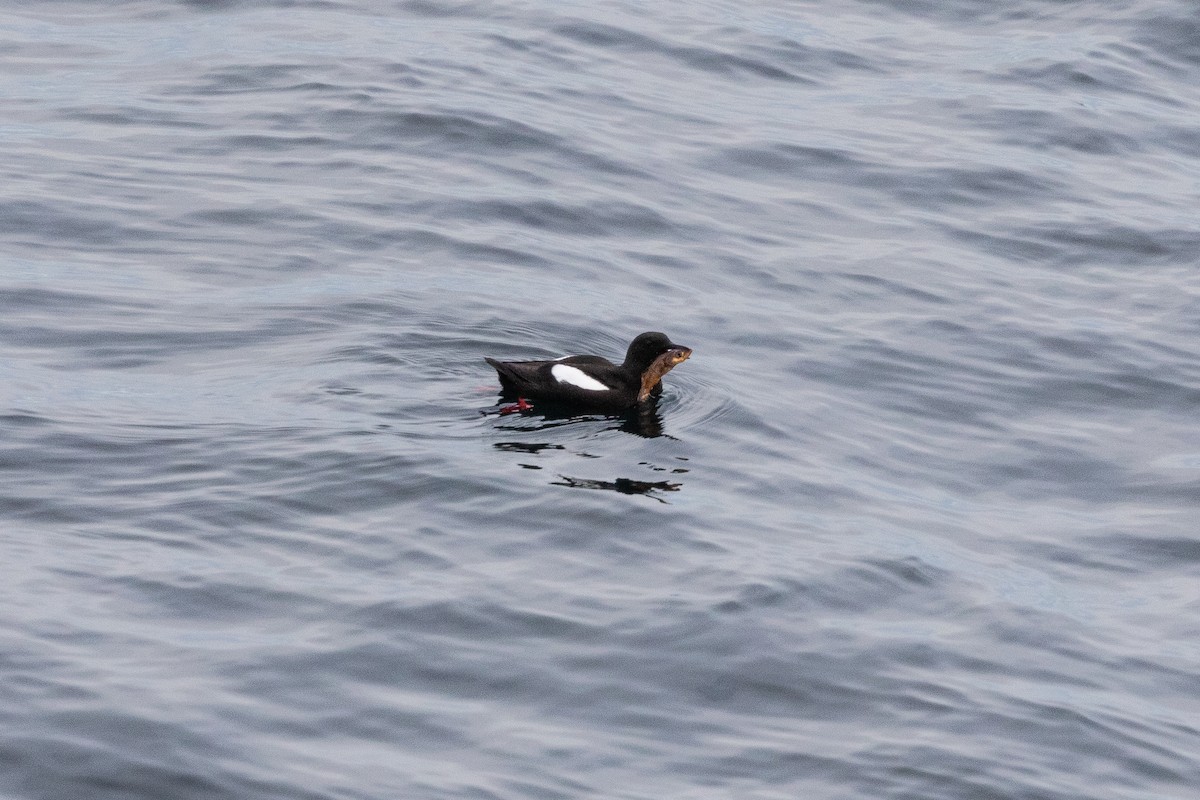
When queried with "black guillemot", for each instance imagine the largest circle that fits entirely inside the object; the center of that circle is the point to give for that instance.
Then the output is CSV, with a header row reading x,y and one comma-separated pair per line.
x,y
592,382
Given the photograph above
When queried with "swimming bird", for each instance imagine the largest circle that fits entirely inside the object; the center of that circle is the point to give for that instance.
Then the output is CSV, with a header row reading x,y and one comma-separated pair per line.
x,y
593,382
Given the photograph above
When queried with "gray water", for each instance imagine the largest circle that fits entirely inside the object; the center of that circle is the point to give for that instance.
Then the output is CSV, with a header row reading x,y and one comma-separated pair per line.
x,y
917,520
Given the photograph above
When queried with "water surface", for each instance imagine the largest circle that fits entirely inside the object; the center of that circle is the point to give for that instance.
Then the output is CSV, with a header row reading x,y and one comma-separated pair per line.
x,y
917,519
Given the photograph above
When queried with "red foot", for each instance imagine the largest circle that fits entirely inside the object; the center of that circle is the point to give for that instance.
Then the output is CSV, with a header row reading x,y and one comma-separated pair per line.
x,y
521,405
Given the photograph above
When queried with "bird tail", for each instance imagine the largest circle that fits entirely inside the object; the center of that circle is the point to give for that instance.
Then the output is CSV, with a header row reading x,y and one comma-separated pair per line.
x,y
504,371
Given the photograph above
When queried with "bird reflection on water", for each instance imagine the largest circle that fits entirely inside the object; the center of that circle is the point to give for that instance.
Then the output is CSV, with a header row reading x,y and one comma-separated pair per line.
x,y
642,420
622,485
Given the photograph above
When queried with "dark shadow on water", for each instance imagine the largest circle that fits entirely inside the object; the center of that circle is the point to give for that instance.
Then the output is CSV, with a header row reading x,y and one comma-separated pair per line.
x,y
524,447
641,420
622,485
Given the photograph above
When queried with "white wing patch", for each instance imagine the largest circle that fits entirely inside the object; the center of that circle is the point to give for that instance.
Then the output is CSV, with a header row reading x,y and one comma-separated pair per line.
x,y
576,377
